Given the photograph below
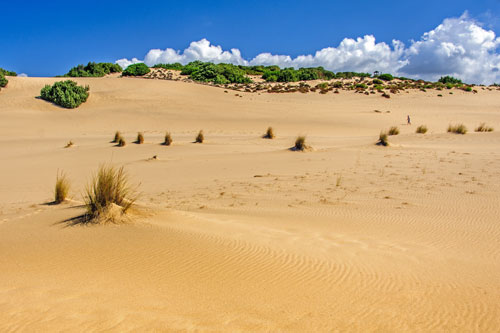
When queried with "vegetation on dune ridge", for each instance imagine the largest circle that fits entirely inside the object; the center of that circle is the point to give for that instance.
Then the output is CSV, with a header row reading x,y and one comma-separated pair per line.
x,y
93,70
65,93
136,70
3,79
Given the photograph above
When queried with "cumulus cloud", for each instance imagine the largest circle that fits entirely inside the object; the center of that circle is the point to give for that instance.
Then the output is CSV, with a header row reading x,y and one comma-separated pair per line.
x,y
459,46
22,75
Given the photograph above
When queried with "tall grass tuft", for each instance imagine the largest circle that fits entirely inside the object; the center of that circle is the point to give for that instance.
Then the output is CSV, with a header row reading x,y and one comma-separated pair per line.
x,y
121,142
200,137
300,143
61,189
140,138
168,139
118,135
393,130
108,191
458,129
383,139
269,133
483,128
422,129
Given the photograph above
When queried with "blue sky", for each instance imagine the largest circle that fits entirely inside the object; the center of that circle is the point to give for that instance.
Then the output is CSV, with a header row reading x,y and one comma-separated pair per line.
x,y
47,38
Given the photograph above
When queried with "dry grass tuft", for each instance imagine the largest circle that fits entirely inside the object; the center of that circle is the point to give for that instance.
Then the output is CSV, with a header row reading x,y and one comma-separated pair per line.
x,y
118,135
300,143
168,139
140,138
422,129
269,134
458,129
200,137
483,128
383,139
69,144
108,196
61,189
121,142
393,130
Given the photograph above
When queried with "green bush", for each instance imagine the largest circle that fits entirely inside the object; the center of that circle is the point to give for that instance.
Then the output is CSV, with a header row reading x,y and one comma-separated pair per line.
x,y
94,70
449,79
136,70
3,80
377,81
386,77
65,93
5,72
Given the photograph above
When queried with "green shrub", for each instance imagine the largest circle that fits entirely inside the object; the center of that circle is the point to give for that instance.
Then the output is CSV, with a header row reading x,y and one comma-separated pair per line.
x,y
449,80
136,70
386,77
3,81
458,129
377,81
94,70
65,93
422,129
5,72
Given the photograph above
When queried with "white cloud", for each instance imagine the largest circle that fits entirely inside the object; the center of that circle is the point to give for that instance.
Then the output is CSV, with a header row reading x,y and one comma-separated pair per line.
x,y
22,75
458,47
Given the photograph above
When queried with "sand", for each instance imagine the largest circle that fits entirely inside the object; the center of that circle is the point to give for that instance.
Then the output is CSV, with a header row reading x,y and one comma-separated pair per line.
x,y
240,233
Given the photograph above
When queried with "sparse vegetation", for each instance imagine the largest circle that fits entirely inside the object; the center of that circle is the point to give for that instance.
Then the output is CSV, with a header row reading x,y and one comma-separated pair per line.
x,y
118,135
449,80
393,131
3,81
65,93
383,139
200,137
61,189
139,69
108,192
94,70
140,138
69,144
121,142
458,129
269,133
422,129
168,139
300,143
483,128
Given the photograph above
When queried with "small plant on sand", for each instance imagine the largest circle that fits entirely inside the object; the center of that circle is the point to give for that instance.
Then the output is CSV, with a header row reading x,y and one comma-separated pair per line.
x,y
269,133
422,129
300,143
118,135
383,139
61,189
200,137
121,142
458,129
168,139
65,93
107,195
140,138
483,128
69,144
393,130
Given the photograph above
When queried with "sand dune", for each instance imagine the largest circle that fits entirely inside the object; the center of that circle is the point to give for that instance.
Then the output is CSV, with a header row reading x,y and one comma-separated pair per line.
x,y
241,234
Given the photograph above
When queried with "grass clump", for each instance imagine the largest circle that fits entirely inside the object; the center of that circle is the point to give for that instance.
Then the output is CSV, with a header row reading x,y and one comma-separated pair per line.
x,y
458,129
108,194
393,130
69,144
200,137
483,128
168,139
118,135
383,139
140,138
300,143
422,129
61,189
65,93
121,142
269,134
